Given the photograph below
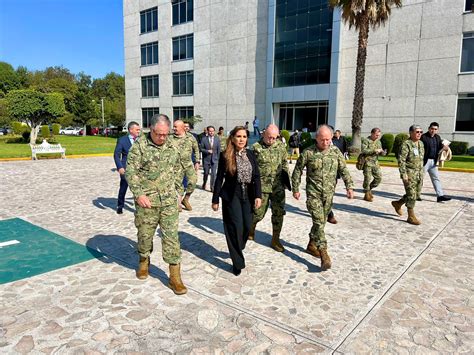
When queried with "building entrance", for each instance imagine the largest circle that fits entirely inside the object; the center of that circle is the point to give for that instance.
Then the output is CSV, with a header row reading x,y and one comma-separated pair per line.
x,y
303,116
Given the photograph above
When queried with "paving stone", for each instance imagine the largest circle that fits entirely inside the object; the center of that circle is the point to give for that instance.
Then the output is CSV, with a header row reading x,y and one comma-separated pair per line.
x,y
100,307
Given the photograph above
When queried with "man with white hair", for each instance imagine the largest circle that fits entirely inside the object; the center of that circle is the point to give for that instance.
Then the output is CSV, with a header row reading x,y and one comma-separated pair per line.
x,y
323,162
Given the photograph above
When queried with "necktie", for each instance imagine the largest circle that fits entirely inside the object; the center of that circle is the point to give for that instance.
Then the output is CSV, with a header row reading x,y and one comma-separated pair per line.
x,y
211,140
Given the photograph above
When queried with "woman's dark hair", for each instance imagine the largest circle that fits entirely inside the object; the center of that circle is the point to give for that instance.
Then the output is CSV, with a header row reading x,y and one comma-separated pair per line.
x,y
229,154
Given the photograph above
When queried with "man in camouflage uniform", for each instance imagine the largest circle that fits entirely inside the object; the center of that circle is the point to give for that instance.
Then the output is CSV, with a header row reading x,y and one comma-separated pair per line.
x,y
271,158
371,149
151,174
187,145
410,163
323,162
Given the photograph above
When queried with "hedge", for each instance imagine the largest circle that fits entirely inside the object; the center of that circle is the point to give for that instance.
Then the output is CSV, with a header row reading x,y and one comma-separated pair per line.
x,y
285,134
459,148
397,144
45,131
56,128
387,141
306,140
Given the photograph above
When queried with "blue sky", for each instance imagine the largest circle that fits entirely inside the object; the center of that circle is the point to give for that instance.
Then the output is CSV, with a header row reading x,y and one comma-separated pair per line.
x,y
81,35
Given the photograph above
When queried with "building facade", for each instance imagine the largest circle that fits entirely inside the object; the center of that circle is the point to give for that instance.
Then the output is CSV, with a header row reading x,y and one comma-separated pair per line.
x,y
292,62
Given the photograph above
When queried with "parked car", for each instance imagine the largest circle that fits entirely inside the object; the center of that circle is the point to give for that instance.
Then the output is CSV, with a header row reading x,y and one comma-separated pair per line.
x,y
93,132
70,131
4,131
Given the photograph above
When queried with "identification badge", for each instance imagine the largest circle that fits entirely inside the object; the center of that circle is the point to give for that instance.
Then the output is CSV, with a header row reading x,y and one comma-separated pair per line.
x,y
415,151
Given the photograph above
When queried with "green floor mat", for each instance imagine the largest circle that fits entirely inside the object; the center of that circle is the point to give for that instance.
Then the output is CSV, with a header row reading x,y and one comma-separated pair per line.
x,y
27,250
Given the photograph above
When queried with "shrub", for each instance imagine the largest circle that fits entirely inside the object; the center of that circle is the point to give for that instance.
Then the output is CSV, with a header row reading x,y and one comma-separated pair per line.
x,y
45,131
459,148
348,140
56,127
26,136
306,140
285,134
397,144
387,142
14,139
18,127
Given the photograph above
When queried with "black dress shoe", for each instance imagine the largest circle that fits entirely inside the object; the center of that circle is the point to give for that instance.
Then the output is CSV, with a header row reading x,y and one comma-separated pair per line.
x,y
236,271
443,198
119,210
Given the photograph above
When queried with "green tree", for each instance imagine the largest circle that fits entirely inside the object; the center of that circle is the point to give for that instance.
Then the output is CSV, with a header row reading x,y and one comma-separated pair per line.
x,y
84,107
362,14
24,77
111,87
34,108
8,79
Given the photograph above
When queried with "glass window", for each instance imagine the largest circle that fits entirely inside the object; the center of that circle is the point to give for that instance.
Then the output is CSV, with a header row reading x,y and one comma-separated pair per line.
x,y
469,5
467,55
149,20
150,86
147,114
183,47
307,115
149,53
183,112
465,114
302,38
183,83
182,11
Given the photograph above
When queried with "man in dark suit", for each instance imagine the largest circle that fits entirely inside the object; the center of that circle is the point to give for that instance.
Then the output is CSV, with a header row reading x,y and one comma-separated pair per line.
x,y
120,156
210,148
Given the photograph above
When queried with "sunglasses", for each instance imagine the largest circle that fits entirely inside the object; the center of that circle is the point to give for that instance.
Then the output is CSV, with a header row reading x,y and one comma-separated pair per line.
x,y
418,131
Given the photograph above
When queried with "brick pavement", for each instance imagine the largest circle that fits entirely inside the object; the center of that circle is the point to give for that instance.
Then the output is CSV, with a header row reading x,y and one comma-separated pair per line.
x,y
393,287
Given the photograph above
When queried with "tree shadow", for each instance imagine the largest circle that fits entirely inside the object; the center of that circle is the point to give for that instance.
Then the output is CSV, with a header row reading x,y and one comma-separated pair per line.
x,y
204,251
264,239
111,203
122,251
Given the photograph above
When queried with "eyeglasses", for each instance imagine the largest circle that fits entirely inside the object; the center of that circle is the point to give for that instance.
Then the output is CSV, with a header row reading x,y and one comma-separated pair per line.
x,y
418,132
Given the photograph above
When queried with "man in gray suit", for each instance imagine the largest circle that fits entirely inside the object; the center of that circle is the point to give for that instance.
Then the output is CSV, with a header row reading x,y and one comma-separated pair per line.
x,y
210,148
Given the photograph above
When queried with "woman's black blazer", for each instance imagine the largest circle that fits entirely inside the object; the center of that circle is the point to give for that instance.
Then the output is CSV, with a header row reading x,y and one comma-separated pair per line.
x,y
226,184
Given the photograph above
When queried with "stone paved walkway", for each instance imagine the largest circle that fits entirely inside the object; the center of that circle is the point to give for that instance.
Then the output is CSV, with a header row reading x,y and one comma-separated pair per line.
x,y
393,287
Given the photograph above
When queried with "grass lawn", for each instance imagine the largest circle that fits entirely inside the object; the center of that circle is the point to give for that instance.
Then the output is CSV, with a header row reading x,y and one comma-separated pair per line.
x,y
458,161
75,145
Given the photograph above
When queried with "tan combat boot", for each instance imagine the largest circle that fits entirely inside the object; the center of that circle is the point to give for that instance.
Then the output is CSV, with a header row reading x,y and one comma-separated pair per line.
x,y
368,196
398,206
325,259
313,249
276,242
412,218
175,280
186,203
252,232
180,209
143,265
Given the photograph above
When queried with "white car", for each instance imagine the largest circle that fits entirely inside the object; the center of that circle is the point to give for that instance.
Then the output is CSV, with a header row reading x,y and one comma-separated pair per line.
x,y
70,131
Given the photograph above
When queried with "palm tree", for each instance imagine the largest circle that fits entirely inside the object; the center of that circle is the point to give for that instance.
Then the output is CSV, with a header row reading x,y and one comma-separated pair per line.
x,y
362,14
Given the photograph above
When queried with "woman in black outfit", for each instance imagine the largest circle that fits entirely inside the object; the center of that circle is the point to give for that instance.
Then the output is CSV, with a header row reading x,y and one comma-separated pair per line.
x,y
238,184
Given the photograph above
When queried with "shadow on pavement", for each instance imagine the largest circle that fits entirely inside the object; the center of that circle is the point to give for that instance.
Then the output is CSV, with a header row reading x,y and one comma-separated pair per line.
x,y
264,239
122,251
297,210
204,251
366,211
111,202
207,224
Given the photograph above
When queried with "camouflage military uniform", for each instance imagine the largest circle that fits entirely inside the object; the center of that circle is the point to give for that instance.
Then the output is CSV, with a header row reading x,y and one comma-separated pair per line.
x,y
372,172
187,145
151,171
271,161
410,162
321,171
